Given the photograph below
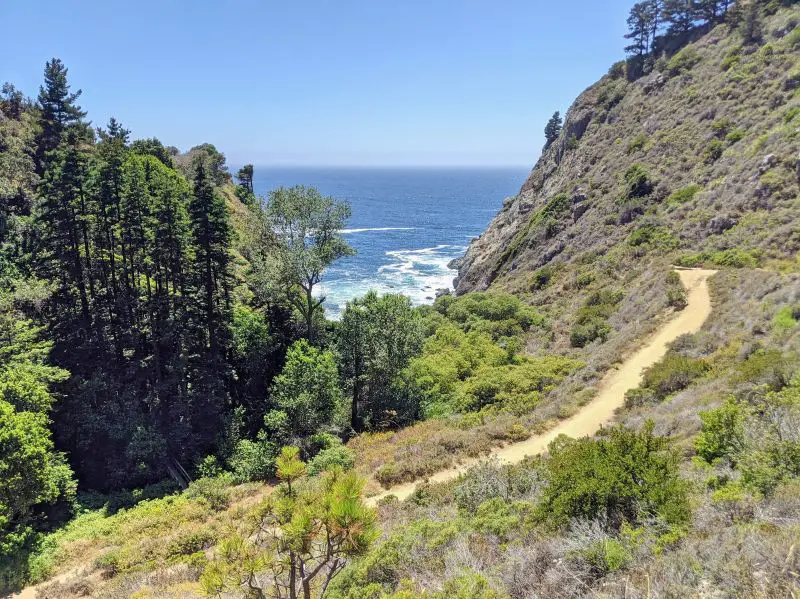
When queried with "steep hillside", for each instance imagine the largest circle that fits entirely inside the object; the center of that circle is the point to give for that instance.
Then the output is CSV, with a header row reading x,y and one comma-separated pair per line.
x,y
714,132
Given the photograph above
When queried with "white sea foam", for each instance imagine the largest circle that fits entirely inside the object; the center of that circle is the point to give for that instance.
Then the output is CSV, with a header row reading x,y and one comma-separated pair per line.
x,y
417,274
349,231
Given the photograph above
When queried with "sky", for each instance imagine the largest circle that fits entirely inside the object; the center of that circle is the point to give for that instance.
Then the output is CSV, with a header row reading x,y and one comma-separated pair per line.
x,y
323,83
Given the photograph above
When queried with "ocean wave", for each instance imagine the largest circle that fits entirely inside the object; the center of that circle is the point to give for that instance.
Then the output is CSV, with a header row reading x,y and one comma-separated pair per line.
x,y
368,230
417,274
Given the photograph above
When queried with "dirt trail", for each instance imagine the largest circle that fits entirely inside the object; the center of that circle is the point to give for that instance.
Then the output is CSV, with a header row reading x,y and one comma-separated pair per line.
x,y
612,388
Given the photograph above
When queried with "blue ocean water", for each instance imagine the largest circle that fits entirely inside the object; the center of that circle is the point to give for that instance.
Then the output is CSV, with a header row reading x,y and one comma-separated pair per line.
x,y
407,224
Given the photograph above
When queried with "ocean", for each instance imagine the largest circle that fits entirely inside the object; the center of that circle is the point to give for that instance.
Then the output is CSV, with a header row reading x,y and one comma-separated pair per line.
x,y
407,224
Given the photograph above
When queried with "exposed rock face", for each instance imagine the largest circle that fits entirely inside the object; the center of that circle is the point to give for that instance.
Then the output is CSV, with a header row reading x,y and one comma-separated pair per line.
x,y
692,127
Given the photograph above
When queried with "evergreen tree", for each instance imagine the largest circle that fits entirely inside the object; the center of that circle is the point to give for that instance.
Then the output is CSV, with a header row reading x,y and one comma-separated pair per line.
x,y
553,129
642,22
245,176
679,15
58,111
211,238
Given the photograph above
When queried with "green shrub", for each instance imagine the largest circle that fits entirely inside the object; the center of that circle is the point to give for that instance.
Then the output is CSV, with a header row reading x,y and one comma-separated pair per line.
x,y
583,334
791,114
337,456
793,39
188,543
640,397
720,127
689,259
214,491
637,182
673,373
541,277
606,556
253,460
637,143
735,258
735,135
623,477
713,151
722,433
683,61
686,194
584,279
786,318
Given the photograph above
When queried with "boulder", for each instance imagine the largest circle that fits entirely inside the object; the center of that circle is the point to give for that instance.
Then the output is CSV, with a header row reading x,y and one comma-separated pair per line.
x,y
720,224
768,162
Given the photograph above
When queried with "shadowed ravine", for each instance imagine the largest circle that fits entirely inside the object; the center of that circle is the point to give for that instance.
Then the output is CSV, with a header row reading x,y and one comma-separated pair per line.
x,y
611,395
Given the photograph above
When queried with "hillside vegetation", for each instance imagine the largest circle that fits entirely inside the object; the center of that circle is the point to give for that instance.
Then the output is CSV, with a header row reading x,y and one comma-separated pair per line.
x,y
178,418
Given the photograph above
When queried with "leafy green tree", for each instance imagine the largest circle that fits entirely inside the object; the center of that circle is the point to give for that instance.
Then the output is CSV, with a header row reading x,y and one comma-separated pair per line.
x,y
679,15
553,129
376,339
306,225
307,389
307,532
624,476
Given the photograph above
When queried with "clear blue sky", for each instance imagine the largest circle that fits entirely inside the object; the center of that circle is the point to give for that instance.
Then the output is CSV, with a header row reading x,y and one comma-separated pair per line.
x,y
317,82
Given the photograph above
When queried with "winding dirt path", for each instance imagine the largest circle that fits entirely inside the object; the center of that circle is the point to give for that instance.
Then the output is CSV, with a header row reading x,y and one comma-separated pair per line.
x,y
611,395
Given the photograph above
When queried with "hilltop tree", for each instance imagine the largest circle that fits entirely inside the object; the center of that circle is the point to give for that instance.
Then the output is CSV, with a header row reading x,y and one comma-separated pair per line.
x,y
642,26
58,111
680,15
553,129
244,190
306,225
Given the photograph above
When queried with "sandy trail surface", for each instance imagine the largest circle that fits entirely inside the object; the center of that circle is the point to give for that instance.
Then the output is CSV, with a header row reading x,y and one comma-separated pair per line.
x,y
611,394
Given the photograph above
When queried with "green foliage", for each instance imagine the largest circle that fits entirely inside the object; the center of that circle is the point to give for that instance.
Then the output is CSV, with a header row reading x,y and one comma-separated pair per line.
x,y
553,129
722,433
376,339
637,182
35,478
542,277
306,226
683,195
786,318
460,371
637,144
683,62
307,389
713,151
606,556
215,491
253,460
652,237
623,477
306,528
591,320
673,373
546,221
331,458
731,258
677,296
498,314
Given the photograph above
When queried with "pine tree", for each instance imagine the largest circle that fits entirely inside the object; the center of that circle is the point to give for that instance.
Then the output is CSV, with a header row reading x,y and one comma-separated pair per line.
x,y
553,129
679,15
58,111
211,237
642,21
